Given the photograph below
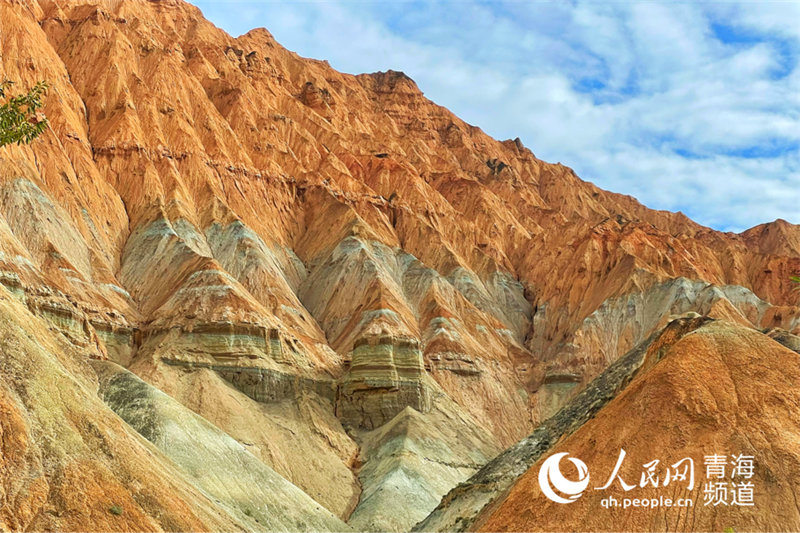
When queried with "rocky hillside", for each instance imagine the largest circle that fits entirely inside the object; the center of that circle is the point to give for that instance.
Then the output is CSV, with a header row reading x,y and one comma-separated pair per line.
x,y
324,280
699,400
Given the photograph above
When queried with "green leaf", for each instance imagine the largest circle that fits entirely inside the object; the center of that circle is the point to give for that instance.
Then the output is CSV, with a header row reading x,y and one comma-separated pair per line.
x,y
20,119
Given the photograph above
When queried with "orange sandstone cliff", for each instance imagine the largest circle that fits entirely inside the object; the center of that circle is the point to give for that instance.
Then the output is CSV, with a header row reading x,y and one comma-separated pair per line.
x,y
326,281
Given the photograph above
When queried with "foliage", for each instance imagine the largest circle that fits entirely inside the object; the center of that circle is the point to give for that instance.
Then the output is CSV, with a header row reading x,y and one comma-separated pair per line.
x,y
115,510
20,119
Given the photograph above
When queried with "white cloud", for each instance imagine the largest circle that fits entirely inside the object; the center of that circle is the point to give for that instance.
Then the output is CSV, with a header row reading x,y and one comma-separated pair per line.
x,y
646,98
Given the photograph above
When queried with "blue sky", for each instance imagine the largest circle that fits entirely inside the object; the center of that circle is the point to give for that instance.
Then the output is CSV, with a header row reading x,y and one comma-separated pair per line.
x,y
686,106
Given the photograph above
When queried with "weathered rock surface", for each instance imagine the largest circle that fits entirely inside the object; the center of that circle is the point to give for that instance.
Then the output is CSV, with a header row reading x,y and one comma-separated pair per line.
x,y
68,463
222,467
230,221
622,322
784,337
723,389
647,404
386,375
410,462
293,429
460,508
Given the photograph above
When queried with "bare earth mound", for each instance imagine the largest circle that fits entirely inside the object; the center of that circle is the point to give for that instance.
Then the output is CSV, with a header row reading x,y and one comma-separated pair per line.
x,y
721,390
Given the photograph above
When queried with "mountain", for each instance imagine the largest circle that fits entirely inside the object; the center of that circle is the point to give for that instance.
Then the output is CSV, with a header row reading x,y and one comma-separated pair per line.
x,y
327,281
709,372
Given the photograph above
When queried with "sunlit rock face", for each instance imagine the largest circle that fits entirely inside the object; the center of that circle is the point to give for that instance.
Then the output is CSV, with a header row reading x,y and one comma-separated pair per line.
x,y
622,322
222,467
385,376
699,396
462,507
297,254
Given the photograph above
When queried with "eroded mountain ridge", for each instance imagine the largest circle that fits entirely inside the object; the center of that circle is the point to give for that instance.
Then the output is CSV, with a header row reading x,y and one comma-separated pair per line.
x,y
370,296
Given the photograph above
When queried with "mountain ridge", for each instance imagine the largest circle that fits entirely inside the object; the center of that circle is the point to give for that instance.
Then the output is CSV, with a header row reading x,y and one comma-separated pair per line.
x,y
276,244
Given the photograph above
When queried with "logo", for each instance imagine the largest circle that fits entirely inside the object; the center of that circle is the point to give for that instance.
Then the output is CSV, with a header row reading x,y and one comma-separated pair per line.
x,y
550,478
730,481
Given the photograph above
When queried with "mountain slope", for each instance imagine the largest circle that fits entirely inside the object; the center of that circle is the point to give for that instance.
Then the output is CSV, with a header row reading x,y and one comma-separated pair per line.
x,y
699,400
323,251
217,463
67,460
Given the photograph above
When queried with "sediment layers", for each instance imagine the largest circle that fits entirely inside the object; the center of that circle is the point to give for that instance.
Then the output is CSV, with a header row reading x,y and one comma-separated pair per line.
x,y
321,264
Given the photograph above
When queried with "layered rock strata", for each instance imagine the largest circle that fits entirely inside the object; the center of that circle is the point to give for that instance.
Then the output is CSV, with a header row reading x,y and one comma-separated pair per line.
x,y
461,507
384,377
228,220
218,464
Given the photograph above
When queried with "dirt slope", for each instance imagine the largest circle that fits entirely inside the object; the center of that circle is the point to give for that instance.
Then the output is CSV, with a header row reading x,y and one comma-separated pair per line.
x,y
296,253
721,390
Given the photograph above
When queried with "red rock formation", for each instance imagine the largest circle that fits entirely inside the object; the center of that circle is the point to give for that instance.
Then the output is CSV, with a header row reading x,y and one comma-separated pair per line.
x,y
195,188
723,390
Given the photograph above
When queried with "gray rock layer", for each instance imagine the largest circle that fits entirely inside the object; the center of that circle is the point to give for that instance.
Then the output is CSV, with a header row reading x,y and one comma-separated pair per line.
x,y
219,465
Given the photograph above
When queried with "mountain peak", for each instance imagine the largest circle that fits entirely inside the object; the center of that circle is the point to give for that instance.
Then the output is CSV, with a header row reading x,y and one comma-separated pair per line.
x,y
306,259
